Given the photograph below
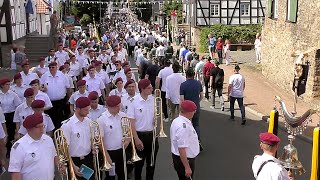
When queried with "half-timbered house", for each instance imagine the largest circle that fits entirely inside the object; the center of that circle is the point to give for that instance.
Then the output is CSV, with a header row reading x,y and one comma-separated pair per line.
x,y
43,17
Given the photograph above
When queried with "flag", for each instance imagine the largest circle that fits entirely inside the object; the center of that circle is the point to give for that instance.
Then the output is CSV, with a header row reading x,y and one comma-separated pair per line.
x,y
29,7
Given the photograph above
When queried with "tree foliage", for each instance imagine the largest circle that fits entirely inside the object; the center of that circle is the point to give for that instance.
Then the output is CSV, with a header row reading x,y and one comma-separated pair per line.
x,y
168,6
86,19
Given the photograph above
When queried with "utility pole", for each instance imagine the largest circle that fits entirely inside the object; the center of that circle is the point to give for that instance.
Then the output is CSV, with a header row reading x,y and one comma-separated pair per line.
x,y
190,19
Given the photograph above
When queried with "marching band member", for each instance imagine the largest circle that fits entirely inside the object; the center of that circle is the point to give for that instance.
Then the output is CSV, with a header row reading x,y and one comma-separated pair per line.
x,y
119,91
126,100
18,87
35,85
102,73
96,109
34,154
82,92
111,130
2,146
120,71
9,102
94,83
41,68
112,67
141,114
26,75
23,110
184,141
75,68
61,55
77,132
38,108
266,166
82,59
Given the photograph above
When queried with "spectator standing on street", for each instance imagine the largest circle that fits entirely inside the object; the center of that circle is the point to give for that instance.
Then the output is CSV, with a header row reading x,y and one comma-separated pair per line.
x,y
198,69
212,45
191,90
235,92
227,51
219,47
206,76
216,83
257,46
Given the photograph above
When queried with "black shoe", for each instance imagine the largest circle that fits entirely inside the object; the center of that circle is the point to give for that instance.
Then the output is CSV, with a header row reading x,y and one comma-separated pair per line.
x,y
243,122
200,146
222,109
231,118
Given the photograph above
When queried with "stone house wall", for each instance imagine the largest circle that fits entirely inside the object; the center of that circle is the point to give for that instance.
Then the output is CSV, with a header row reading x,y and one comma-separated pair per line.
x,y
280,39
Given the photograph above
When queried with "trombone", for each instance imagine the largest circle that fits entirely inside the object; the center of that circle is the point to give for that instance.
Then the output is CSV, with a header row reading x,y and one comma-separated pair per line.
x,y
63,154
157,115
96,142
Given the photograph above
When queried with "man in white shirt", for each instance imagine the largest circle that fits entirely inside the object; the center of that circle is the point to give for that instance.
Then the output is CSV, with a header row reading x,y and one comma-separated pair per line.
x,y
50,58
266,166
235,92
2,146
62,56
26,75
173,83
132,44
163,74
161,53
41,68
184,141
96,109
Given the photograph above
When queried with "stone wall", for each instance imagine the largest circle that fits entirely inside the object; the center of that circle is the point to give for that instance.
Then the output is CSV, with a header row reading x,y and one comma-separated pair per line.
x,y
280,39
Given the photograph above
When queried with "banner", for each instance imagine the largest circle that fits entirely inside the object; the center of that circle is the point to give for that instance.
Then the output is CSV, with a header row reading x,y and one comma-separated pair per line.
x,y
116,3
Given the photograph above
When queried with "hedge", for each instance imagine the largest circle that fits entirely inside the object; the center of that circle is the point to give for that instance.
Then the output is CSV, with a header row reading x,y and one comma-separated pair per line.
x,y
237,34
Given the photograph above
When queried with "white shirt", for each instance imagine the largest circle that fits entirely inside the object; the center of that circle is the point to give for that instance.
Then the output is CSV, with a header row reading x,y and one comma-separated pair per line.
x,y
2,133
40,69
104,58
44,97
62,57
48,125
33,159
271,170
163,74
75,69
111,130
2,117
104,76
22,111
27,78
120,74
126,101
9,101
19,90
76,95
131,41
237,82
82,59
183,135
78,136
116,92
173,83
49,59
257,43
94,84
56,85
160,51
142,112
94,114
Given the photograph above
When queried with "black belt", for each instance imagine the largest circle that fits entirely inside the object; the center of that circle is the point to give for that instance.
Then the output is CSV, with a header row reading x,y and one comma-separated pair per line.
x,y
144,132
175,156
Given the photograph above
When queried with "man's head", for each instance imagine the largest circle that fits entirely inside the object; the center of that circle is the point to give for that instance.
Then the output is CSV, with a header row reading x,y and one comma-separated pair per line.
x,y
17,78
29,95
41,61
92,71
34,125
216,62
190,73
236,68
82,106
98,65
35,85
130,87
145,87
53,68
128,73
187,108
176,67
25,67
269,142
81,84
94,99
113,104
38,106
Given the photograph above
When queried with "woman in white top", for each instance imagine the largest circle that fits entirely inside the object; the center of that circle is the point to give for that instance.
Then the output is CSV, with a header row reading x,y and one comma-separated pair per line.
x,y
18,87
119,91
227,51
257,46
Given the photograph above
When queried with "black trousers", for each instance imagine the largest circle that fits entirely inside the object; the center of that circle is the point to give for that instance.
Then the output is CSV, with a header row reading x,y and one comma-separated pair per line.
x,y
219,51
206,80
164,104
88,161
145,154
178,166
57,113
117,158
11,126
130,50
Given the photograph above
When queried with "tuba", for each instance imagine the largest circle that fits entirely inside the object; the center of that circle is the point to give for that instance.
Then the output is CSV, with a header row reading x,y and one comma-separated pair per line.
x,y
64,155
96,142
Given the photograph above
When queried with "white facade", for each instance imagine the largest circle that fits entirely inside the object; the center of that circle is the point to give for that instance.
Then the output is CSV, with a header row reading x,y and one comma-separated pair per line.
x,y
43,22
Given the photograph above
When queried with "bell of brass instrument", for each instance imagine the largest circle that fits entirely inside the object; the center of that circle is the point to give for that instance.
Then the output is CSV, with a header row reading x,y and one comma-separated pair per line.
x,y
96,142
127,132
62,148
289,158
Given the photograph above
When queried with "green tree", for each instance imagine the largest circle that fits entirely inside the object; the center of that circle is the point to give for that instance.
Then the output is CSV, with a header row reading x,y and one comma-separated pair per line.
x,y
168,6
86,19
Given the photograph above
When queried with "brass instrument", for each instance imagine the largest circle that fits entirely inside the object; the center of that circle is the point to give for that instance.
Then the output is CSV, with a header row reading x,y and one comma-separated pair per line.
x,y
157,115
62,148
96,142
127,131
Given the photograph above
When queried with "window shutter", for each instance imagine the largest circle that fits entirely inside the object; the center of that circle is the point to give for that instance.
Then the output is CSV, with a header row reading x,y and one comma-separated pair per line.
x,y
270,8
292,10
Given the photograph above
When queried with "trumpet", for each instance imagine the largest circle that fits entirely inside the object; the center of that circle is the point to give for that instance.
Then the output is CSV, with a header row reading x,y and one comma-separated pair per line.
x,y
157,115
63,154
96,142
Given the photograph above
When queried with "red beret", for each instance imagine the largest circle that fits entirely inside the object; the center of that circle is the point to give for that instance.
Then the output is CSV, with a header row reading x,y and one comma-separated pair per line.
x,y
90,67
130,81
41,59
93,95
52,64
81,83
28,92
188,106
3,81
38,104
269,138
117,62
125,63
67,62
17,76
118,79
25,63
82,102
144,83
32,121
113,100
61,68
60,44
80,47
35,81
97,63
127,70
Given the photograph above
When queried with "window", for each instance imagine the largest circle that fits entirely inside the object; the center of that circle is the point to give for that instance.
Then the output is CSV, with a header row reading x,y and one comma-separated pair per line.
x,y
244,8
214,9
273,9
160,6
292,10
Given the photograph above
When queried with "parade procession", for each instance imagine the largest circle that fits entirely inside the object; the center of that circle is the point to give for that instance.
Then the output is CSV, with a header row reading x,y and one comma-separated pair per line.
x,y
144,90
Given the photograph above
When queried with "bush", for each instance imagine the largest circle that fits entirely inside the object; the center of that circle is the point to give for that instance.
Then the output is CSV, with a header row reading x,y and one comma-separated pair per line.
x,y
86,19
237,34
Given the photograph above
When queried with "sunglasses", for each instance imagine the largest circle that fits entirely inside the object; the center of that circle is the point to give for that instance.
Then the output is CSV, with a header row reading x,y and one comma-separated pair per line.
x,y
51,67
